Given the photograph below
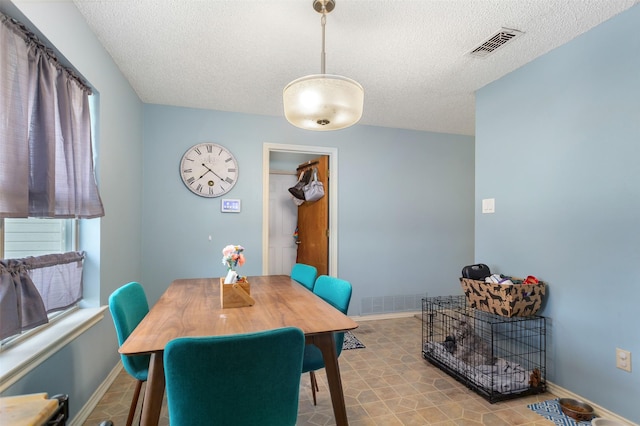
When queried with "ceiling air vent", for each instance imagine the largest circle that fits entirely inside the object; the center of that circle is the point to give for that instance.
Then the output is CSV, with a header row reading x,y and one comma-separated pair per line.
x,y
494,42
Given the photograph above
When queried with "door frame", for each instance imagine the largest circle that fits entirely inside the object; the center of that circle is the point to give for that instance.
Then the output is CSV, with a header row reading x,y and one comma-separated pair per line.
x,y
332,152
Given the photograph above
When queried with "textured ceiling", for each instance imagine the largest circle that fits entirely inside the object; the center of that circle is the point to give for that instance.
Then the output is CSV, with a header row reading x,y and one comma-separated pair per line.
x,y
411,56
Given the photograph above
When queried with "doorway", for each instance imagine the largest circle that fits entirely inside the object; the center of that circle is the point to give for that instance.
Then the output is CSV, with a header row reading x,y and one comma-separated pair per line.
x,y
300,153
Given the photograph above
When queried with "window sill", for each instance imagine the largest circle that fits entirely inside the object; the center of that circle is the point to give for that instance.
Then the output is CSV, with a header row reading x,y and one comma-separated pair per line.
x,y
19,360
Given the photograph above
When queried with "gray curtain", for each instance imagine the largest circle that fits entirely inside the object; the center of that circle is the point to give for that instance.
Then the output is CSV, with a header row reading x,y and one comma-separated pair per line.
x,y
21,306
34,286
46,159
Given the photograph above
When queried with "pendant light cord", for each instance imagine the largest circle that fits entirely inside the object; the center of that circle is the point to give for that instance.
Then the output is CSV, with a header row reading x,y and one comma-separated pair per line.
x,y
323,22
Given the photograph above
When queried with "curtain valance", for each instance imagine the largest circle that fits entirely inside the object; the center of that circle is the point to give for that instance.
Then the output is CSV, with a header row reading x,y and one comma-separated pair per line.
x,y
46,157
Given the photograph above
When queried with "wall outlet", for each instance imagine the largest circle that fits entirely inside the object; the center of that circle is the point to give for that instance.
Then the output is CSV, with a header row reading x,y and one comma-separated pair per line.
x,y
623,359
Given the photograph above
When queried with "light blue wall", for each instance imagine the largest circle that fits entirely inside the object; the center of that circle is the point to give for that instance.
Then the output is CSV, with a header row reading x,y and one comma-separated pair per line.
x,y
405,202
114,251
405,214
557,146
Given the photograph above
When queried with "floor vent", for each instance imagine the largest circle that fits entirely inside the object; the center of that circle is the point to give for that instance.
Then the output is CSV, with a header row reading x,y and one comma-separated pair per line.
x,y
494,42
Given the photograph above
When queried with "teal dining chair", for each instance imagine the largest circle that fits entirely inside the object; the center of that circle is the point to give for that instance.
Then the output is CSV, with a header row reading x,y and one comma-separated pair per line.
x,y
128,306
238,379
337,293
304,274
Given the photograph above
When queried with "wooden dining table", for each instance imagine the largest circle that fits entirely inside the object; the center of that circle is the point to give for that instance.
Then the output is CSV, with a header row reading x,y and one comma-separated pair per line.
x,y
192,307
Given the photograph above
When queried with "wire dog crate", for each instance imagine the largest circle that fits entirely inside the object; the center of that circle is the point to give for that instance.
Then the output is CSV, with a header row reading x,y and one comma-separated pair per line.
x,y
498,357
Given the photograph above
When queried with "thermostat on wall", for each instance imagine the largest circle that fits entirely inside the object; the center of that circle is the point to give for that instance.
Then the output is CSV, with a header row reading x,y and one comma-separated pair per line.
x,y
230,206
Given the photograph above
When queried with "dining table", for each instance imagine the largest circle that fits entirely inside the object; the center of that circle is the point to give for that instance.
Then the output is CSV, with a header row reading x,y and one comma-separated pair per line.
x,y
192,307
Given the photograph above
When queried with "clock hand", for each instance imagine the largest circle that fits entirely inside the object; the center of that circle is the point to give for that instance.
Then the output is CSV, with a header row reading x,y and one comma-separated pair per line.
x,y
202,175
209,170
218,176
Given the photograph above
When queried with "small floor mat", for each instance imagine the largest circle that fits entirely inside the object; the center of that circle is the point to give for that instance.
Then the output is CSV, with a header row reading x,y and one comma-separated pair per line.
x,y
351,342
551,410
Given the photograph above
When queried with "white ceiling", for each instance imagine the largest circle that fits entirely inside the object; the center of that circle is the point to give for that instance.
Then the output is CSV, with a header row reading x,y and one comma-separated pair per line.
x,y
411,56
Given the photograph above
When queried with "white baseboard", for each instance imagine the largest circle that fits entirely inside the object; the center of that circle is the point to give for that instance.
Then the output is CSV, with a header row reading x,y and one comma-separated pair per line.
x,y
87,409
601,411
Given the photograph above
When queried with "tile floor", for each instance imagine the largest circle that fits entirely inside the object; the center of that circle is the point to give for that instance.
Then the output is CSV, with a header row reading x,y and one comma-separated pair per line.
x,y
387,383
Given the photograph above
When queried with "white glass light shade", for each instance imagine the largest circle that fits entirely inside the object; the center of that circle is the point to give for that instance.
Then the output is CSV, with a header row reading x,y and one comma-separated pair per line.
x,y
323,102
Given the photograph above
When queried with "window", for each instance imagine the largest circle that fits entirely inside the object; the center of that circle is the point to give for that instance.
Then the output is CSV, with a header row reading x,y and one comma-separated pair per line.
x,y
34,237
51,176
20,238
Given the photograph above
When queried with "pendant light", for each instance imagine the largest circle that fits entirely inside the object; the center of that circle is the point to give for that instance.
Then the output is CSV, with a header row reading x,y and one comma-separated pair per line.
x,y
323,101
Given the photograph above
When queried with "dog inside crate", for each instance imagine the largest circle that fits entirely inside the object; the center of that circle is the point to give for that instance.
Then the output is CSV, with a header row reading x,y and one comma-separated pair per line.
x,y
495,355
466,345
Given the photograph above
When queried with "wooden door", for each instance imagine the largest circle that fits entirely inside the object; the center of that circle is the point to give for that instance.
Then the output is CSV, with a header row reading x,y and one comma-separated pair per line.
x,y
313,222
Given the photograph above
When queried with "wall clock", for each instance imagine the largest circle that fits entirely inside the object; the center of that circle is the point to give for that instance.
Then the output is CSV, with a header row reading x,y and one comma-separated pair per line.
x,y
209,170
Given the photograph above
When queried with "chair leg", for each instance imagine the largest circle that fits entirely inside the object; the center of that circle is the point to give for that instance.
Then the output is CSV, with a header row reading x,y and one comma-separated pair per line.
x,y
134,402
314,386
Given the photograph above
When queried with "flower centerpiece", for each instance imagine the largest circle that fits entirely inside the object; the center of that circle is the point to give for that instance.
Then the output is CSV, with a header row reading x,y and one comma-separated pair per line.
x,y
232,257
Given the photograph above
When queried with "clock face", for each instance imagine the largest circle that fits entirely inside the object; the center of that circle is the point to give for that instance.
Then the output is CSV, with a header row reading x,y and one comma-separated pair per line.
x,y
208,170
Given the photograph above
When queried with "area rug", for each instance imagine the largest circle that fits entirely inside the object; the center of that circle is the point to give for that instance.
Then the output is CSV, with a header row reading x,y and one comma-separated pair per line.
x,y
551,410
351,342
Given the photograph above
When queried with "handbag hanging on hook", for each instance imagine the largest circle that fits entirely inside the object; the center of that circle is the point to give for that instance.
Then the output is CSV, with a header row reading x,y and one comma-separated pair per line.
x,y
298,189
314,190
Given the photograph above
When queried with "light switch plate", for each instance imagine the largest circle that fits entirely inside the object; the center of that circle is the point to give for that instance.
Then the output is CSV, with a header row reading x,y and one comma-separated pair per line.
x,y
489,205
